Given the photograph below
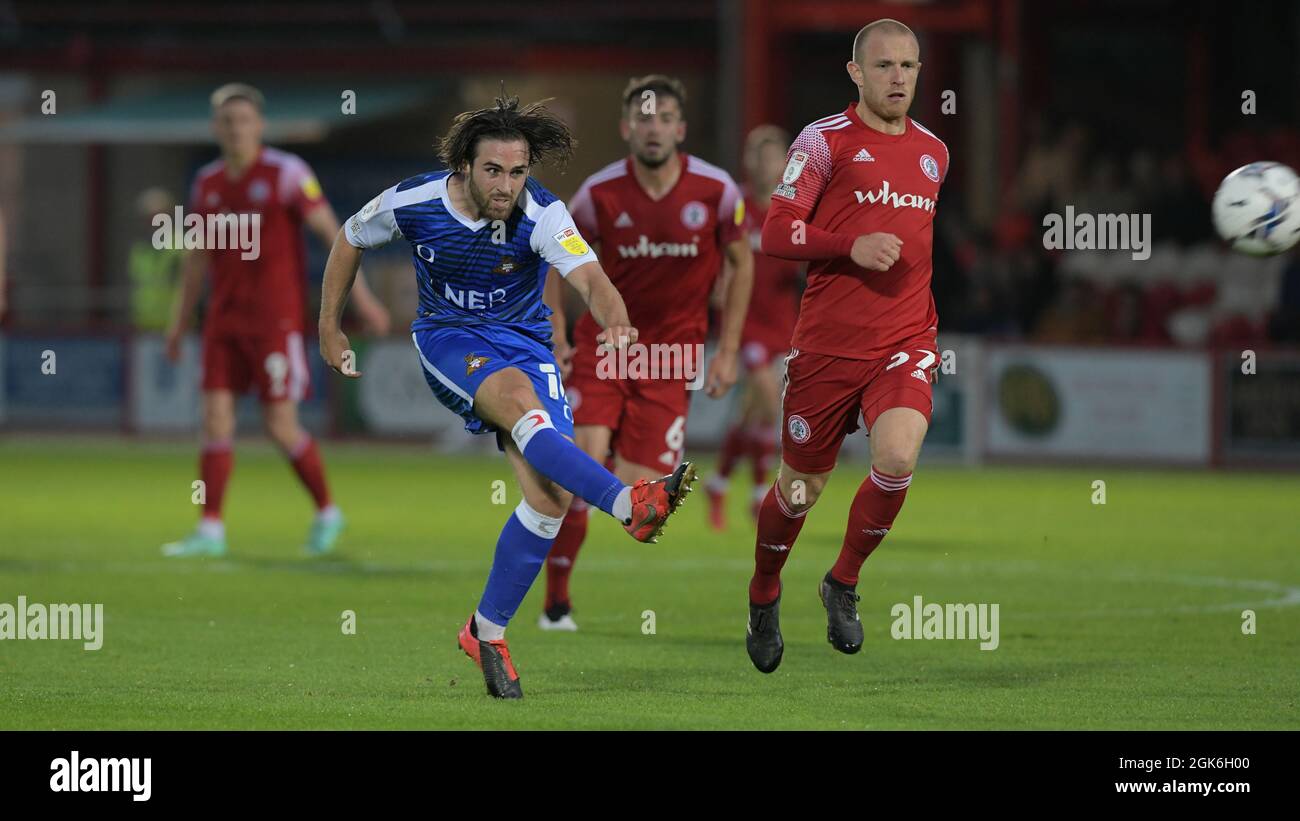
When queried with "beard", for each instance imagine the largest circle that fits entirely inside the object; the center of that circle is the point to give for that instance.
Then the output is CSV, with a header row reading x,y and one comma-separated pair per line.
x,y
486,207
888,110
650,161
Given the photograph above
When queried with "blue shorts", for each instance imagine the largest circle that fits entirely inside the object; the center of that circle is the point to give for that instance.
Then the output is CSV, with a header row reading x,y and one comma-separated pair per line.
x,y
456,360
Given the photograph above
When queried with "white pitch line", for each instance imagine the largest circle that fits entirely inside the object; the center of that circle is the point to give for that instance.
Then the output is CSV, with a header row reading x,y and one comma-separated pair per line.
x,y
1285,595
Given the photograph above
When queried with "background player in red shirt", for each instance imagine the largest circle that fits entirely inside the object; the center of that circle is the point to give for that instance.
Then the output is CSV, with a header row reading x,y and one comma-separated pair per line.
x,y
857,201
252,333
769,323
662,221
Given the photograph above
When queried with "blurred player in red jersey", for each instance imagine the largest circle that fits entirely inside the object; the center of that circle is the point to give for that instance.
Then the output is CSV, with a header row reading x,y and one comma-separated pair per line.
x,y
857,201
663,221
773,308
252,334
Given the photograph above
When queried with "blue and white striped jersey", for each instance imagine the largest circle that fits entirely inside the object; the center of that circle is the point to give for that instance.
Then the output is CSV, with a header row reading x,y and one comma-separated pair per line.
x,y
484,272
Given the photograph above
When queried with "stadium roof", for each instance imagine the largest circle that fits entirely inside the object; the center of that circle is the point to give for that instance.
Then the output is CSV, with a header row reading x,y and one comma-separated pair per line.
x,y
301,114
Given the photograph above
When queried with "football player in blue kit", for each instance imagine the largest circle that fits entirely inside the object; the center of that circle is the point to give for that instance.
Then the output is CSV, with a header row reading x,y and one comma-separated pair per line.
x,y
483,234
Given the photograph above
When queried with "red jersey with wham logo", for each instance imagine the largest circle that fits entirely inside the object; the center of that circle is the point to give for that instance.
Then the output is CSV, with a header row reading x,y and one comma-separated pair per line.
x,y
266,293
662,255
846,178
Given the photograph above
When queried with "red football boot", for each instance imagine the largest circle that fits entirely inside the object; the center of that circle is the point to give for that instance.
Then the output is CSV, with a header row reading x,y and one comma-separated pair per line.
x,y
493,658
653,502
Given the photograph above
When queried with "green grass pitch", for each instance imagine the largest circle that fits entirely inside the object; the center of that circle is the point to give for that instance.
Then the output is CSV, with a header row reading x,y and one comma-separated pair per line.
x,y
1122,615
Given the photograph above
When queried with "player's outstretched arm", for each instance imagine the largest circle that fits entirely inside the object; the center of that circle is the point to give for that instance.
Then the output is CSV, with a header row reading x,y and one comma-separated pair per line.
x,y
725,365
605,303
340,272
322,222
193,264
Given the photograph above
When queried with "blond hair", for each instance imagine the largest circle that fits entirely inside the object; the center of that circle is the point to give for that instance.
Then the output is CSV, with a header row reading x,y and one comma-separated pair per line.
x,y
885,25
238,91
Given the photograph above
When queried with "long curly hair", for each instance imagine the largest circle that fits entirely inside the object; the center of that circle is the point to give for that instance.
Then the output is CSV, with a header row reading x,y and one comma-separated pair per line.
x,y
550,142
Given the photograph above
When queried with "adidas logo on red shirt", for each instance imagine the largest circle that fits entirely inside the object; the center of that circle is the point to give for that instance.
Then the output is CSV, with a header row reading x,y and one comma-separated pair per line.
x,y
863,155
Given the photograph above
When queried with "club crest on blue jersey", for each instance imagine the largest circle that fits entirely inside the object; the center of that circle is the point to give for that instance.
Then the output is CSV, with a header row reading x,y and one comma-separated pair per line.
x,y
473,362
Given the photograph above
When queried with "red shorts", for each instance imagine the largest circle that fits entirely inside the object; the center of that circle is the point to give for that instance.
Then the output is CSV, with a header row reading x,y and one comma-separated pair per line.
x,y
648,416
824,395
274,362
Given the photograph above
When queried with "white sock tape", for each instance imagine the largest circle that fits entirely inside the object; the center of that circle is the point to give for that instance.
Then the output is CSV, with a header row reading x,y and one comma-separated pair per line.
x,y
528,425
545,526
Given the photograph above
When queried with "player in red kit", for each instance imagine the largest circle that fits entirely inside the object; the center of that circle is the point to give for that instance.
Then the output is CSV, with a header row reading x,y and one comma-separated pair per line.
x,y
856,201
769,323
663,222
252,333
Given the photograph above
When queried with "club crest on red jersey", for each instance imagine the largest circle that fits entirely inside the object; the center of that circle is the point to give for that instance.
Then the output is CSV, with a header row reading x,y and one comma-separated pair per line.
x,y
695,215
259,191
799,429
930,167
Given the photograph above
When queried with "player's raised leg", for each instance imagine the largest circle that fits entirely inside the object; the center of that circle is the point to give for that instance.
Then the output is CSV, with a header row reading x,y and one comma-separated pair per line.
x,y
557,615
557,609
651,435
896,438
521,549
216,460
507,400
299,447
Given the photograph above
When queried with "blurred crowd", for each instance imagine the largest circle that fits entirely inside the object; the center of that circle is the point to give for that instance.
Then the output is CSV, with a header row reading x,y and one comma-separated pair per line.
x,y
1192,290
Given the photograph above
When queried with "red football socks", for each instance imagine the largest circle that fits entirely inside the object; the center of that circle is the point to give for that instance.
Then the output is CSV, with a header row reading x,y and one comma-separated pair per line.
x,y
306,462
762,447
216,460
778,527
559,563
871,516
734,446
